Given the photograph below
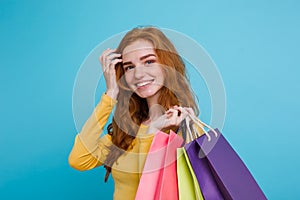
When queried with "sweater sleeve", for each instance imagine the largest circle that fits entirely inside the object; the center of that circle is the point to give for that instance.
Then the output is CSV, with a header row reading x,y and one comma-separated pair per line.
x,y
89,149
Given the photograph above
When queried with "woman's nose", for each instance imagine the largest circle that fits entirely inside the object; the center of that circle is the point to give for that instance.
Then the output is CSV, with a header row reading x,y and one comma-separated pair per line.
x,y
139,72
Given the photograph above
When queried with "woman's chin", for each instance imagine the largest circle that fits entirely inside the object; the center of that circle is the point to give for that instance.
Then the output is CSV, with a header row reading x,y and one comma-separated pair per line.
x,y
147,93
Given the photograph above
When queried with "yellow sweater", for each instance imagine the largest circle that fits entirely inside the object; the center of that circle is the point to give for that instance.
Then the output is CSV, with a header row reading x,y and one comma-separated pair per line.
x,y
90,151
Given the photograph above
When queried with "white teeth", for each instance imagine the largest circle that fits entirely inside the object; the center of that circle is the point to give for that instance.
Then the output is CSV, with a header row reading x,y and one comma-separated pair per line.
x,y
143,83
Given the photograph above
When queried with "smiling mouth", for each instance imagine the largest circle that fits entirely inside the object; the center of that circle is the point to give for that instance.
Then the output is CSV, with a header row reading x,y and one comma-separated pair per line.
x,y
141,84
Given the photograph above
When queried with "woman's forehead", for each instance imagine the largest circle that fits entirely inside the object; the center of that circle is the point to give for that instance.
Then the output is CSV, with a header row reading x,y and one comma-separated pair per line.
x,y
138,47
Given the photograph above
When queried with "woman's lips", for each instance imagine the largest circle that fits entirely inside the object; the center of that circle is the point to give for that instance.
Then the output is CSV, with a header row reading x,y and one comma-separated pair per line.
x,y
143,84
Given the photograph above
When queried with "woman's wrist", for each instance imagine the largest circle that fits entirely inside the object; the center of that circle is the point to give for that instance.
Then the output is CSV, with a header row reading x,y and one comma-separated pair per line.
x,y
156,125
112,93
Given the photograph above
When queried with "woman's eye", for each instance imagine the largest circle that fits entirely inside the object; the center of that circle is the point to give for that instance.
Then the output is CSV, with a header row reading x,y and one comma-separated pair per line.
x,y
128,68
150,61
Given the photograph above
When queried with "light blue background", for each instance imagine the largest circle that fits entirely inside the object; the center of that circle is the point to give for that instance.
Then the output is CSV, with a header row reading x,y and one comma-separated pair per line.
x,y
255,45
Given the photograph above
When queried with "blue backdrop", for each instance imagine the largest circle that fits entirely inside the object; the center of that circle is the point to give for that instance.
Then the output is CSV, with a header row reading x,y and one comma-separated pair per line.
x,y
255,45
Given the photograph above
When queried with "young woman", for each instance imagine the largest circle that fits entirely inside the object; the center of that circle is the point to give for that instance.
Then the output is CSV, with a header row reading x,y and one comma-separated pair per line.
x,y
146,82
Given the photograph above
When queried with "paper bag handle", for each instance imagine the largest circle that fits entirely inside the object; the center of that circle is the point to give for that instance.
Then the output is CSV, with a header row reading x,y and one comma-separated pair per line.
x,y
194,134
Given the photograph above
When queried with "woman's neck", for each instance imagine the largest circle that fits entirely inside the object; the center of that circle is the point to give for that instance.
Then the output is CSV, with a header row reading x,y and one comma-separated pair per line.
x,y
155,109
153,100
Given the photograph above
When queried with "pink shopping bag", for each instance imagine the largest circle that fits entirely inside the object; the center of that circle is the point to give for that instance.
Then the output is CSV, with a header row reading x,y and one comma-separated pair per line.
x,y
159,173
169,184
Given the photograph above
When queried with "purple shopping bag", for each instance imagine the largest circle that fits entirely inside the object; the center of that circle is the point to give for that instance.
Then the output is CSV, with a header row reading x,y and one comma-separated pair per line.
x,y
230,173
205,178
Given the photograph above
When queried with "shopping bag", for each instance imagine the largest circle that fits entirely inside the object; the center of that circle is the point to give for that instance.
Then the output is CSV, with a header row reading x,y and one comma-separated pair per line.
x,y
215,163
188,187
205,178
206,181
168,187
159,172
153,167
231,174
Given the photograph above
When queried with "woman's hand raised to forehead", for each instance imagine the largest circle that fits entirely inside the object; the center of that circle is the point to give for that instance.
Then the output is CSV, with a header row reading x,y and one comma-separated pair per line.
x,y
172,117
108,60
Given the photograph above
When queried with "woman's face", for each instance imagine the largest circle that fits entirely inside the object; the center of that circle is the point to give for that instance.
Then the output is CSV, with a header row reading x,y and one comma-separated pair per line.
x,y
143,73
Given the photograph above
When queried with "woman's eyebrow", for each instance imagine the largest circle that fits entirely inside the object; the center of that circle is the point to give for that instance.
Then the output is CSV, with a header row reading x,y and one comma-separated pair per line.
x,y
141,58
146,56
127,63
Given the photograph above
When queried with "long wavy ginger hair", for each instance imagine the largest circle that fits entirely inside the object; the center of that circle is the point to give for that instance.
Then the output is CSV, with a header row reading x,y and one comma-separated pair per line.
x,y
131,110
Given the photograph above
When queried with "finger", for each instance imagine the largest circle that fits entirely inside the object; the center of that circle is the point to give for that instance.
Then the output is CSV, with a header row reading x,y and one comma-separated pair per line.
x,y
112,56
108,52
183,116
183,113
173,108
104,57
181,109
113,64
187,110
171,111
112,59
104,53
172,116
105,60
190,110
